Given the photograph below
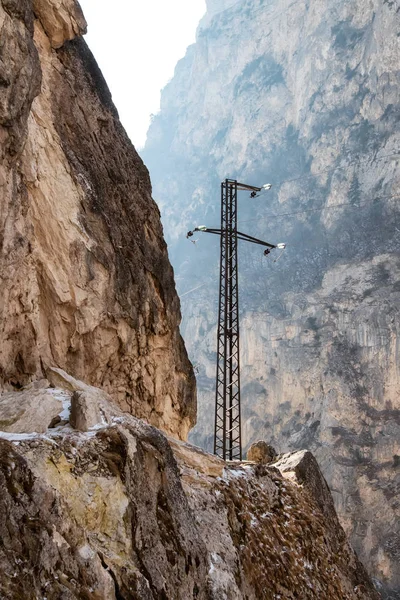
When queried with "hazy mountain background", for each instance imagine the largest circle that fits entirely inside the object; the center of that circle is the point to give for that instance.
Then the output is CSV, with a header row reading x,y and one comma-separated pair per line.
x,y
304,95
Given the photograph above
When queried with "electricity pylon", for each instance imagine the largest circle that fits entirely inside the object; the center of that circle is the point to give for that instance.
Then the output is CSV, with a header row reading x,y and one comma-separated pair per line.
x,y
227,435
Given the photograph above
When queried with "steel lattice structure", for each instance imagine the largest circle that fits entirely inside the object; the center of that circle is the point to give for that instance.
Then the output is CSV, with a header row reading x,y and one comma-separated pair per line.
x,y
227,437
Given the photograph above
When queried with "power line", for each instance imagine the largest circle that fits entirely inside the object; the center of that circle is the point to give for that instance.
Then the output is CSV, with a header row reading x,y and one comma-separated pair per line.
x,y
265,10
336,206
227,431
332,169
322,208
193,290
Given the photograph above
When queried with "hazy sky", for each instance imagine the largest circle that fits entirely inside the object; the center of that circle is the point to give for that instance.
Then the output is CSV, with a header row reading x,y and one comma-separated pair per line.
x,y
137,45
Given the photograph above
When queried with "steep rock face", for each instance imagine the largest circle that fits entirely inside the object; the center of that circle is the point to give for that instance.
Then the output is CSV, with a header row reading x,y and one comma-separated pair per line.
x,y
121,512
85,281
303,95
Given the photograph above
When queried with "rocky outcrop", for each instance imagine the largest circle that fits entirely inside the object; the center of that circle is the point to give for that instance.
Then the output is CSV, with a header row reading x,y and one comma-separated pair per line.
x,y
303,95
121,512
85,281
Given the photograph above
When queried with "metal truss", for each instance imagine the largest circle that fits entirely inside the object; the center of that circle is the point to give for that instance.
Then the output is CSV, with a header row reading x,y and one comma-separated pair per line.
x,y
227,438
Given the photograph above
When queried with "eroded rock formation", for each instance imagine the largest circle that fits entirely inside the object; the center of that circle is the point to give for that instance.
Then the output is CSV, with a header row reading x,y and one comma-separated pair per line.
x,y
304,95
85,281
120,512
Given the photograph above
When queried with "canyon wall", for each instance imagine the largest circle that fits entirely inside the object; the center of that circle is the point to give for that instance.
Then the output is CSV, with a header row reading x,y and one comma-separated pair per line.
x,y
85,280
303,95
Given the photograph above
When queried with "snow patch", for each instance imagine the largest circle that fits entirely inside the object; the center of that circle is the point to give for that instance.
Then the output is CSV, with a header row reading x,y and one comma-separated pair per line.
x,y
233,473
118,420
98,426
18,437
215,559
65,398
22,437
86,552
254,520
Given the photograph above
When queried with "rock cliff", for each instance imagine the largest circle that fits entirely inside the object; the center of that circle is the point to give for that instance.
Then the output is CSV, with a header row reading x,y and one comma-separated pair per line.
x,y
85,281
304,95
116,511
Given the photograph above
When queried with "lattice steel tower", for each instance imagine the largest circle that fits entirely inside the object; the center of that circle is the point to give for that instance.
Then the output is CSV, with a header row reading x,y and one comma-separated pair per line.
x,y
227,437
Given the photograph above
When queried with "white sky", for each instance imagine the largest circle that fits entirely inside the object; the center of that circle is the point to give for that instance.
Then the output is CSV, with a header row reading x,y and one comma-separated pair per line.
x,y
137,45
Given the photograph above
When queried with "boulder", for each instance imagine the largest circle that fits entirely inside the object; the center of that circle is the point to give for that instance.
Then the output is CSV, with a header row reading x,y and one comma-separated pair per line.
x,y
90,406
59,378
90,409
30,410
261,452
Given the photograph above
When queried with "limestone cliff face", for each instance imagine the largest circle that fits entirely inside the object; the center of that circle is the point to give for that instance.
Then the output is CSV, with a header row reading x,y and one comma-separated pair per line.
x,y
85,281
304,95
116,511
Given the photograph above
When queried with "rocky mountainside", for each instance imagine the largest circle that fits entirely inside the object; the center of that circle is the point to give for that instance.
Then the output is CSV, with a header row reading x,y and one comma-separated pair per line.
x,y
85,280
101,505
303,94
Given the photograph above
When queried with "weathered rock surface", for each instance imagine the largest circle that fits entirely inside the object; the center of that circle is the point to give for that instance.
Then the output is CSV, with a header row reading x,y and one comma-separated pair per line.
x,y
29,410
85,411
304,95
85,281
261,452
303,467
121,513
